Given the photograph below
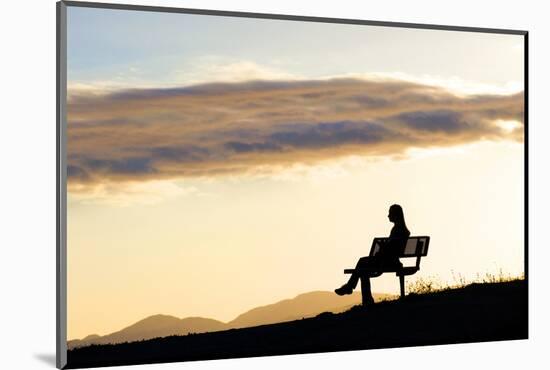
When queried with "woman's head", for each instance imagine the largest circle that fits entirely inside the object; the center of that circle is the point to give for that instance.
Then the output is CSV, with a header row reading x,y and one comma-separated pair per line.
x,y
396,214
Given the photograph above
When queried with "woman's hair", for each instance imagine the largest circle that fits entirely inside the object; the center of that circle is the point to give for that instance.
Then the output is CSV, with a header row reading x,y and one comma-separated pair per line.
x,y
398,212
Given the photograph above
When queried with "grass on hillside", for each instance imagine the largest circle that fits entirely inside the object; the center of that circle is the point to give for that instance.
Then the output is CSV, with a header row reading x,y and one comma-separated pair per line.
x,y
433,284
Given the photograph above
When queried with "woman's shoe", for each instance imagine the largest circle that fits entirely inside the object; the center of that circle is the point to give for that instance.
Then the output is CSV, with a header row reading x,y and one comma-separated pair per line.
x,y
343,290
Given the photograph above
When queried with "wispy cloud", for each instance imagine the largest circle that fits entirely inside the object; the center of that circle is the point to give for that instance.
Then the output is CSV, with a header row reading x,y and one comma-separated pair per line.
x,y
129,193
202,70
232,128
209,69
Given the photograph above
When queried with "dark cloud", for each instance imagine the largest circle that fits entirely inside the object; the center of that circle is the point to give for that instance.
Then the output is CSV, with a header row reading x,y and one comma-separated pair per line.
x,y
180,154
220,128
125,166
241,147
329,134
438,121
77,173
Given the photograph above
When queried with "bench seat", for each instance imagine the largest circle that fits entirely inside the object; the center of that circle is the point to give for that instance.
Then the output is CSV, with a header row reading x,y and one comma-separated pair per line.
x,y
407,270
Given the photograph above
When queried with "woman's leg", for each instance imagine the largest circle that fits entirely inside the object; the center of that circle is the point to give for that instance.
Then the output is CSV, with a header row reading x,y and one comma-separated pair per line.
x,y
348,287
365,290
354,278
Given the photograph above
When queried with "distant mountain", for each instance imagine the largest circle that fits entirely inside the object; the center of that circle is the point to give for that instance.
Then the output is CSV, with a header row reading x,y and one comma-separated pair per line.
x,y
302,306
153,327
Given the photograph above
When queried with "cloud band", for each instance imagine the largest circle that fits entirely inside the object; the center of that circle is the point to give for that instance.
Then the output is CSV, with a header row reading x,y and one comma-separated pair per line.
x,y
213,129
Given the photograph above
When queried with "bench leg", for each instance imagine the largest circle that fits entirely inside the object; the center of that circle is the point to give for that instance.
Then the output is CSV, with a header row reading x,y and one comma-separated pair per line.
x,y
402,285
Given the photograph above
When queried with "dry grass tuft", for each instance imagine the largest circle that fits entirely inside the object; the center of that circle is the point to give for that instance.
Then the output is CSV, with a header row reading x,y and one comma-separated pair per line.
x,y
431,284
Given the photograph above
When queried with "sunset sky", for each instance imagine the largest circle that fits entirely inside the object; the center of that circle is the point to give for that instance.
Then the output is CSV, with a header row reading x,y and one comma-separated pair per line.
x,y
216,164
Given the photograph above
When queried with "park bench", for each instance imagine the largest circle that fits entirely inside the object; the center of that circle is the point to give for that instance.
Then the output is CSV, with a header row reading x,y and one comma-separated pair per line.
x,y
416,246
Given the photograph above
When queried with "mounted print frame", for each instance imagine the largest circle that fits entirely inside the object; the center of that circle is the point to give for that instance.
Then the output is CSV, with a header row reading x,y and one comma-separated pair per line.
x,y
238,184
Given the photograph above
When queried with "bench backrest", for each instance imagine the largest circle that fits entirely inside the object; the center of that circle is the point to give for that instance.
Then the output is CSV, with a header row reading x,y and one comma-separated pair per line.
x,y
416,246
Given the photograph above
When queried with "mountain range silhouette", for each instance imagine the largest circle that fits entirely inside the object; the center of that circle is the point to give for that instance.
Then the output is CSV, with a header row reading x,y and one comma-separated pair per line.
x,y
302,306
474,313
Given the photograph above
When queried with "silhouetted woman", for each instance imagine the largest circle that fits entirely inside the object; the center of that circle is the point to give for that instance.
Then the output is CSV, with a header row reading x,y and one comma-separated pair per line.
x,y
388,256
